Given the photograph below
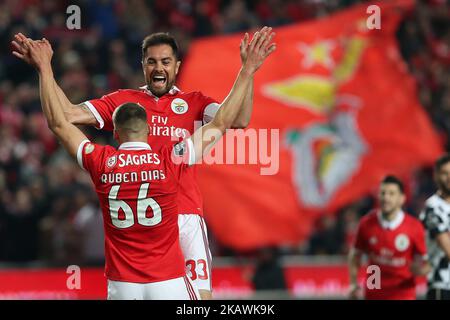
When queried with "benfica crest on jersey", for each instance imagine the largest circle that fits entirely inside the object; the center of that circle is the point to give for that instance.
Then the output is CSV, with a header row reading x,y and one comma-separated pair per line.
x,y
402,242
179,106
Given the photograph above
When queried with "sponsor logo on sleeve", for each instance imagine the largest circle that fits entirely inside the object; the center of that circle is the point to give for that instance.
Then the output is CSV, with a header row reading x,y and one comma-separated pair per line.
x,y
89,148
179,149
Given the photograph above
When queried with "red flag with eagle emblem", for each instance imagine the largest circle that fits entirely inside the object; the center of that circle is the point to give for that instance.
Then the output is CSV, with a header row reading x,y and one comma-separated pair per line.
x,y
338,99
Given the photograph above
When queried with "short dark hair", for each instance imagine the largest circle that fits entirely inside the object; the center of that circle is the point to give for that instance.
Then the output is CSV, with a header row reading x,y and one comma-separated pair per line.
x,y
444,159
391,179
159,38
126,115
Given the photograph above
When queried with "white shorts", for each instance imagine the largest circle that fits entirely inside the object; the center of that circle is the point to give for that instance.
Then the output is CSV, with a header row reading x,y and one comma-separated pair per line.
x,y
195,247
175,289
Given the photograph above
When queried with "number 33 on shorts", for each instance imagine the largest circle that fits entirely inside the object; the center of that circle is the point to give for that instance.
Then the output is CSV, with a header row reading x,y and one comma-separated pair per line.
x,y
197,269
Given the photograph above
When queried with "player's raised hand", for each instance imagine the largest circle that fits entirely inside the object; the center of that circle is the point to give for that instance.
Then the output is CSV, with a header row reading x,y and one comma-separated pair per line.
x,y
40,53
20,48
34,52
260,47
244,47
245,42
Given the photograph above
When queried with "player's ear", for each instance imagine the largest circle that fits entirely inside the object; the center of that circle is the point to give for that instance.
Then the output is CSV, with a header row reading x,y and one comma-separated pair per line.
x,y
403,199
115,135
148,129
177,66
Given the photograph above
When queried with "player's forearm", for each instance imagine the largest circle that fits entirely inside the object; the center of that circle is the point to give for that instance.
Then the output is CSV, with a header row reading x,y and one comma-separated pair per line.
x,y
424,269
205,138
443,241
69,135
353,274
232,104
66,105
49,100
75,114
353,268
243,118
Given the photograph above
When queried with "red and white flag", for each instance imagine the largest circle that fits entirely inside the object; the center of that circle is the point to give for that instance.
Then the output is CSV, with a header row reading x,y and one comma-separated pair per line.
x,y
347,113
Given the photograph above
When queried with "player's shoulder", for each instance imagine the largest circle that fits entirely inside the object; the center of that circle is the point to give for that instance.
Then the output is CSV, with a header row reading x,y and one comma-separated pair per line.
x,y
438,205
90,156
412,221
192,95
95,148
369,218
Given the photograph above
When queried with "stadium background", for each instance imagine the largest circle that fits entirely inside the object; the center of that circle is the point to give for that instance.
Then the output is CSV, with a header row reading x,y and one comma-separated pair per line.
x,y
49,217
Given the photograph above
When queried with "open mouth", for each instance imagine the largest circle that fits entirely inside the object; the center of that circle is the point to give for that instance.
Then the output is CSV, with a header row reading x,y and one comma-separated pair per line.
x,y
159,80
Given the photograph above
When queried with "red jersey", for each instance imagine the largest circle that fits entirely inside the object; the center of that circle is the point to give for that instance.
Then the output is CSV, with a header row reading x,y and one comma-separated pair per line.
x,y
171,117
137,189
392,246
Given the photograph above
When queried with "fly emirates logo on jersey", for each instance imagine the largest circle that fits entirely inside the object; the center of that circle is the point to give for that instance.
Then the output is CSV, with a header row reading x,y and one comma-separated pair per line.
x,y
386,257
124,160
159,127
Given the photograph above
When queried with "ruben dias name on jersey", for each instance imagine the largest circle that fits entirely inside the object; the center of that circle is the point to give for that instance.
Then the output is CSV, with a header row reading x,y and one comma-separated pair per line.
x,y
436,219
124,160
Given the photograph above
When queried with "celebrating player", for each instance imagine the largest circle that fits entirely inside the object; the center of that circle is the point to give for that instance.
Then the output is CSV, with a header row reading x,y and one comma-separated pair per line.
x,y
173,113
436,219
137,185
395,242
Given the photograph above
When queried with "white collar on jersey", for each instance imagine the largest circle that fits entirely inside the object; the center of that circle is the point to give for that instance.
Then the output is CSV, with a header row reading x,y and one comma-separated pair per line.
x,y
172,91
385,224
135,146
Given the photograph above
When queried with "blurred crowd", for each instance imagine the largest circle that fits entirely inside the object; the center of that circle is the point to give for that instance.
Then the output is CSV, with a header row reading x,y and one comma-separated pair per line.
x,y
48,210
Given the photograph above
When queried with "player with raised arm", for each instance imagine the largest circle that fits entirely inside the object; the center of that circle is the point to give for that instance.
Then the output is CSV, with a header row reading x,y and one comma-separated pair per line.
x,y
173,114
137,186
436,219
394,241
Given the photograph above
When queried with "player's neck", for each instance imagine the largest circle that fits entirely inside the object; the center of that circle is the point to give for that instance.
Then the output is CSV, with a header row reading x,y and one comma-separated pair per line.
x,y
390,216
444,196
143,139
172,90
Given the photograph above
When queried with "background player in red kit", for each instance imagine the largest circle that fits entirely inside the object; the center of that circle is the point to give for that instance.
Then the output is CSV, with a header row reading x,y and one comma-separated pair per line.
x,y
394,241
172,117
136,185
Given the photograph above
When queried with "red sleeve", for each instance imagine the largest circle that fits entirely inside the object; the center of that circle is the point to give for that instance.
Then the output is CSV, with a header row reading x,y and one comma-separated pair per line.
x,y
420,247
179,156
91,157
209,107
103,108
360,239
